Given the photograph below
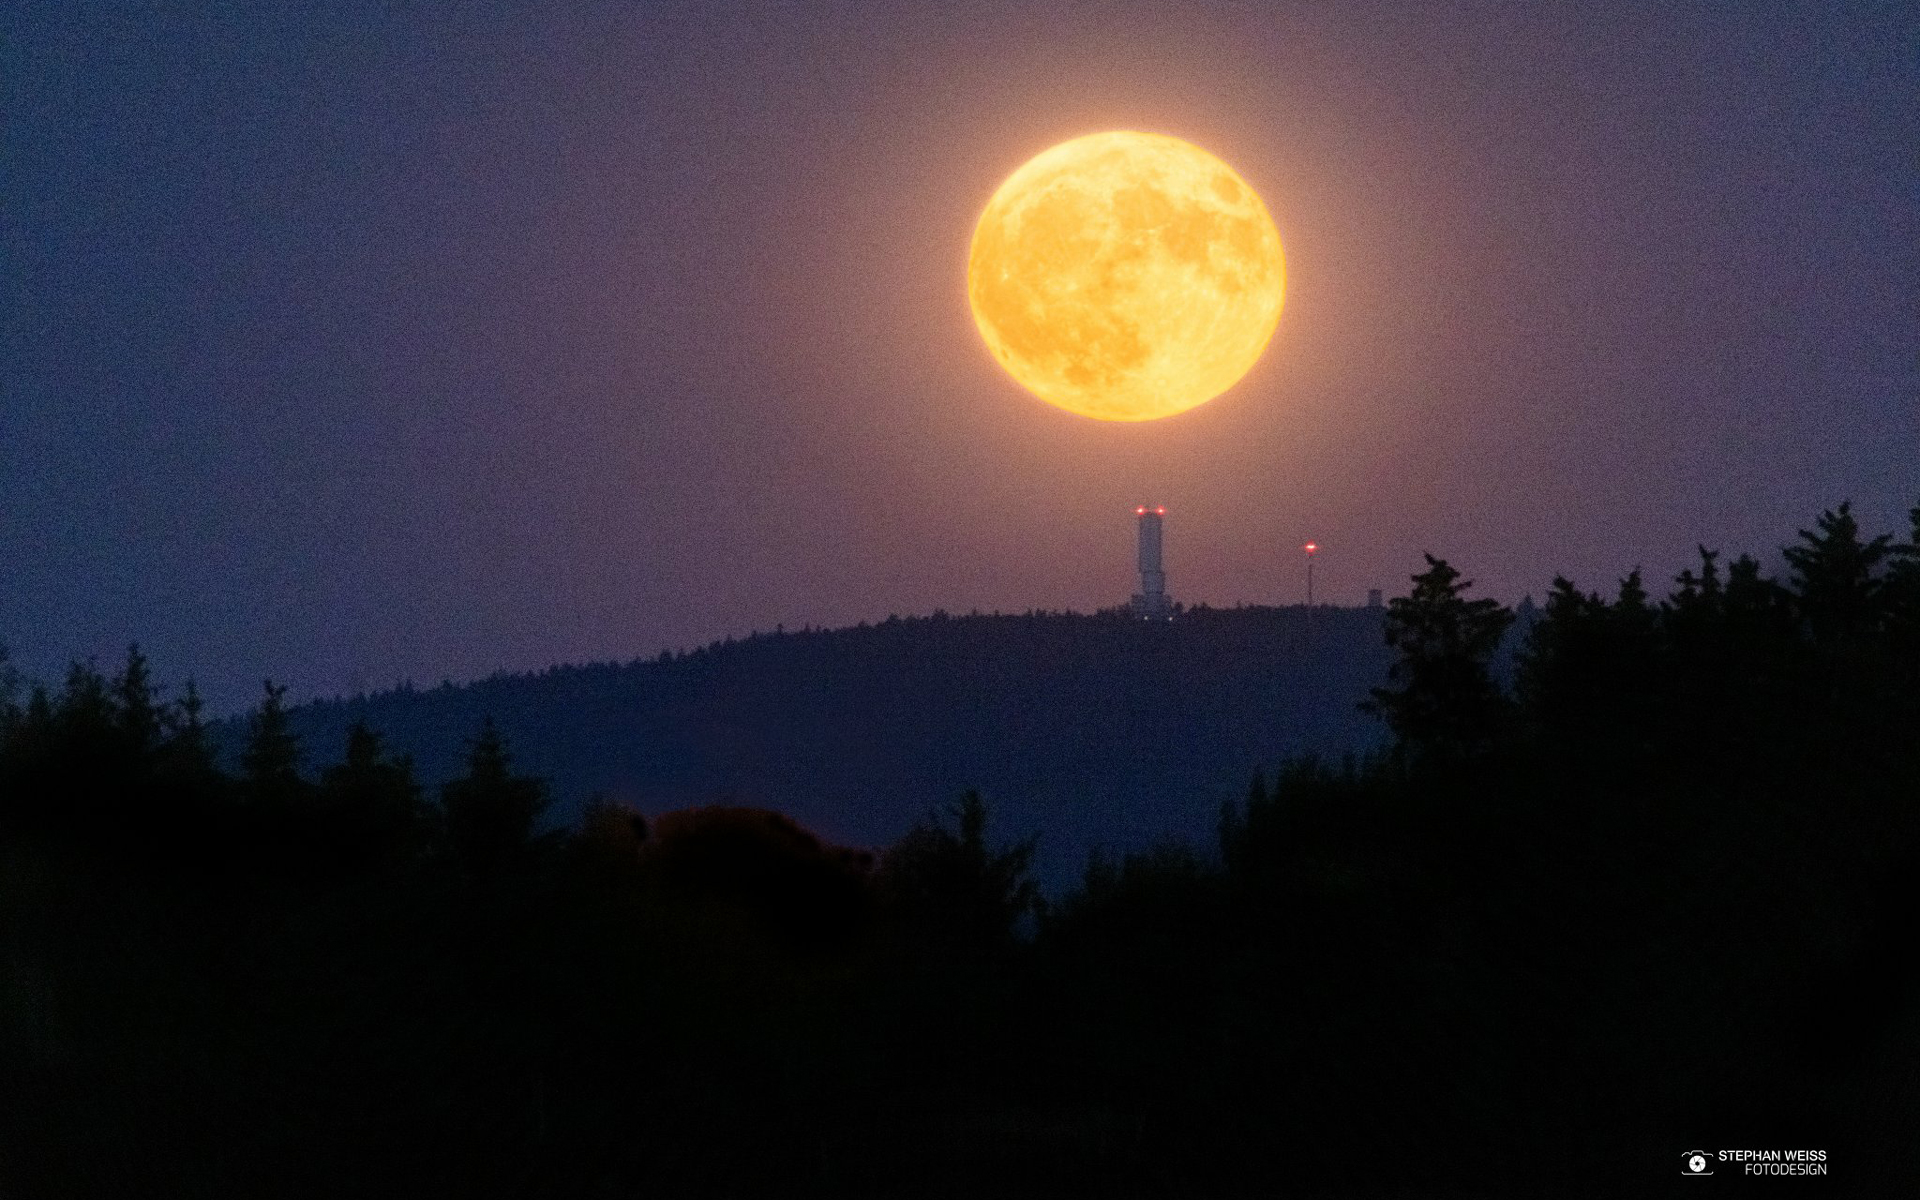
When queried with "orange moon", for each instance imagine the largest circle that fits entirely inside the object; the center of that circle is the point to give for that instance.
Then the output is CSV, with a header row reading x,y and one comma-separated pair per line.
x,y
1126,276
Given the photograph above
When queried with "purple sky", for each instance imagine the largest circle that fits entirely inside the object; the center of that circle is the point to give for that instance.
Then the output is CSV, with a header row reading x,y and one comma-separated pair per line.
x,y
349,346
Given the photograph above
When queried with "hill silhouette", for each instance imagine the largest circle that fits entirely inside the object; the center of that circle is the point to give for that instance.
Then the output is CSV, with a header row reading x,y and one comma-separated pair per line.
x,y
1094,731
1644,888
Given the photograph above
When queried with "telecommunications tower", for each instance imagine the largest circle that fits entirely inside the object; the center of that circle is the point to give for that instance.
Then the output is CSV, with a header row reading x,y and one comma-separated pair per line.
x,y
1151,603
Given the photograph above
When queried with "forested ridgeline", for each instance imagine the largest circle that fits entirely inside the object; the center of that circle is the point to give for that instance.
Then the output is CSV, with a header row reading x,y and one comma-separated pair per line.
x,y
1090,729
1660,893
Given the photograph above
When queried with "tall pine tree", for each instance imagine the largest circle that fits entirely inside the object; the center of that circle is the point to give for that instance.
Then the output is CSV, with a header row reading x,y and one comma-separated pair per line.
x,y
1442,700
270,763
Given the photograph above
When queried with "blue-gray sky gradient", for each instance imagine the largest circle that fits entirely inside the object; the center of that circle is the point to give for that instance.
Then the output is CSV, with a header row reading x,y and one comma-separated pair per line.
x,y
346,344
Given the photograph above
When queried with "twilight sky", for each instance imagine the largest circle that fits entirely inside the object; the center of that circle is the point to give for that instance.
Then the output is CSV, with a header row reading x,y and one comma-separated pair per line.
x,y
362,343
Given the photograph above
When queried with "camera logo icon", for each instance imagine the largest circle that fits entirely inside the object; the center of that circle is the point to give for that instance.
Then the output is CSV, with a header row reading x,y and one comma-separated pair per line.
x,y
1696,1162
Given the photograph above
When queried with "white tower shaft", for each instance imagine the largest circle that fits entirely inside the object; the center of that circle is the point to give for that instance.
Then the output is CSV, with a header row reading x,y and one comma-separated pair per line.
x,y
1151,603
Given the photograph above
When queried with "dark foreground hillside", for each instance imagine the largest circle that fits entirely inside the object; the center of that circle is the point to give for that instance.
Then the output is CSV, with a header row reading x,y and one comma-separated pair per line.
x,y
1655,892
1086,730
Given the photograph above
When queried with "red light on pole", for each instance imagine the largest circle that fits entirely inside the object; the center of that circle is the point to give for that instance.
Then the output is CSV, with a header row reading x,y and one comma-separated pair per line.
x,y
1140,511
1161,511
1311,548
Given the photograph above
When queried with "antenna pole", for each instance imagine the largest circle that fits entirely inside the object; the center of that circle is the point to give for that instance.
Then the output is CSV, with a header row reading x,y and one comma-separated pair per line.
x,y
1311,549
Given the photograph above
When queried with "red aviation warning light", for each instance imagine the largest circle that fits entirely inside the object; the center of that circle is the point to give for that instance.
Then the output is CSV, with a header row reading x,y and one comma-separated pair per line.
x,y
1311,547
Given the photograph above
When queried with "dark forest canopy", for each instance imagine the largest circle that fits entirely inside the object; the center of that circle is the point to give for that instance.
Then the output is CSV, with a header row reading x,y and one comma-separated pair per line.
x,y
1656,890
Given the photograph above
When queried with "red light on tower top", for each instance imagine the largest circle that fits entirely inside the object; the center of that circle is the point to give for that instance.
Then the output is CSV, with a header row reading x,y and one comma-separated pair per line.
x,y
1311,547
1161,511
1140,511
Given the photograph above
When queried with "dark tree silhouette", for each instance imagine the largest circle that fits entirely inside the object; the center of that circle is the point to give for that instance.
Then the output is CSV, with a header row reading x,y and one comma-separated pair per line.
x,y
950,889
489,812
1231,831
1903,596
1904,573
188,752
270,761
1674,881
1441,699
371,806
1759,611
752,862
1585,674
86,710
1835,578
140,712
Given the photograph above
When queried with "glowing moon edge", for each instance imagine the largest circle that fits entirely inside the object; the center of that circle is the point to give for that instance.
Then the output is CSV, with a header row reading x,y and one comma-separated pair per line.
x,y
1126,276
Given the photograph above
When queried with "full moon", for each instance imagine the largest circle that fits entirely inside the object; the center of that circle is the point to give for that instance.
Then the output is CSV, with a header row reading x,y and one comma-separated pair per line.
x,y
1126,276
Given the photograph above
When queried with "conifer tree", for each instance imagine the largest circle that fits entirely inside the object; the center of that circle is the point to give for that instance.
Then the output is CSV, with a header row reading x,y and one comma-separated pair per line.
x,y
191,793
1585,671
1442,699
489,812
37,719
371,803
139,710
85,711
1699,592
1231,832
1758,609
1834,579
951,889
270,763
189,743
1903,583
